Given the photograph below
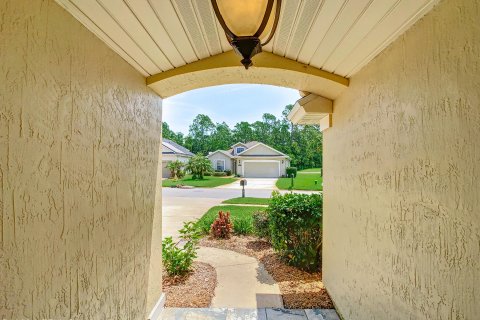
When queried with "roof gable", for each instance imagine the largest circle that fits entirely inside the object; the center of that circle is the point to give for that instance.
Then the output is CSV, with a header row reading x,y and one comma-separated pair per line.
x,y
238,143
220,151
261,149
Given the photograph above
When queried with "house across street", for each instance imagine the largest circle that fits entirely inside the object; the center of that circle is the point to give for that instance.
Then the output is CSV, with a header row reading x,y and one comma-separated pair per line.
x,y
251,160
172,151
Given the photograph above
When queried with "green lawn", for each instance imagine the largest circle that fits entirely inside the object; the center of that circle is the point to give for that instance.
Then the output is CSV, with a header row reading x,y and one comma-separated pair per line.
x,y
311,170
241,216
303,181
248,200
207,182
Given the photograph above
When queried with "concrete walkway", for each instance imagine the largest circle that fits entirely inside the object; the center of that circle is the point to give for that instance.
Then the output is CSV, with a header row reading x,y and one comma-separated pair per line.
x,y
248,314
242,281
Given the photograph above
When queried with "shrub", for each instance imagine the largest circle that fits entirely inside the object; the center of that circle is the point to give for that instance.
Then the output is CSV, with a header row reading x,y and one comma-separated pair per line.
x,y
228,172
198,165
180,174
242,226
175,168
177,259
219,174
291,171
295,222
222,226
261,224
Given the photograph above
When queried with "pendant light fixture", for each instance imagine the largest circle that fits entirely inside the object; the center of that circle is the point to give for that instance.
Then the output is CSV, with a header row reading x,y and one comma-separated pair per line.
x,y
248,24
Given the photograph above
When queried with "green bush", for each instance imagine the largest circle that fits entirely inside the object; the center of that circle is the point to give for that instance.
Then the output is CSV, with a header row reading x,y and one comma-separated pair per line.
x,y
181,174
175,168
219,174
228,172
198,165
242,226
291,171
261,224
178,259
295,222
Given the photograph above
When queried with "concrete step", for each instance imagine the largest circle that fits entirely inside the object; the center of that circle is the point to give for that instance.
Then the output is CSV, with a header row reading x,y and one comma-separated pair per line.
x,y
248,314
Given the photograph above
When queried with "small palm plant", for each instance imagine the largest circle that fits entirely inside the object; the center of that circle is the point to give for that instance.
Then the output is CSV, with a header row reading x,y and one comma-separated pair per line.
x,y
198,165
175,168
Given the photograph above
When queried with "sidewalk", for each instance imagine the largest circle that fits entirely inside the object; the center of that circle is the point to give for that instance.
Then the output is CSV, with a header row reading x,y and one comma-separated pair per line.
x,y
242,281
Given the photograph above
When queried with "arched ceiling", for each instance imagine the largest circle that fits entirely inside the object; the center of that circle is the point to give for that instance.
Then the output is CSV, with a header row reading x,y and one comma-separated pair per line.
x,y
269,68
337,36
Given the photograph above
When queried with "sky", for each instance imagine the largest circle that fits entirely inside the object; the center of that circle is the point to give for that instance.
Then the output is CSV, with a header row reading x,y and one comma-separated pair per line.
x,y
231,103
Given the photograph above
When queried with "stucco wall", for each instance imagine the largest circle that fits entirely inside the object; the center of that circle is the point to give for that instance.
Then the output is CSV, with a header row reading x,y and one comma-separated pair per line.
x,y
402,176
79,141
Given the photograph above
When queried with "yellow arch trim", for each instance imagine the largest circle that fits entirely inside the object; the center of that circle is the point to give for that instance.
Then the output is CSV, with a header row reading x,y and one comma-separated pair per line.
x,y
225,68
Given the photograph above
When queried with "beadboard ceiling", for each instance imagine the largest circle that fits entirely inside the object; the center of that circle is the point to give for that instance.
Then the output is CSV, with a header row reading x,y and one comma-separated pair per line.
x,y
339,36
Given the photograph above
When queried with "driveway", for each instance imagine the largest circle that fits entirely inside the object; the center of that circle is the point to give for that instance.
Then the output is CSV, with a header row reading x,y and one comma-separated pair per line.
x,y
253,183
182,205
178,208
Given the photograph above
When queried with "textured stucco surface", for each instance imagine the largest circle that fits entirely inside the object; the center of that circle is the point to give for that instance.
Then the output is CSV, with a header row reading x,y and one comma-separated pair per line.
x,y
79,142
402,176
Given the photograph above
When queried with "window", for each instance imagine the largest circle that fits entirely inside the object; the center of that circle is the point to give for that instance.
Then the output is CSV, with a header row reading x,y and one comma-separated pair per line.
x,y
220,165
240,149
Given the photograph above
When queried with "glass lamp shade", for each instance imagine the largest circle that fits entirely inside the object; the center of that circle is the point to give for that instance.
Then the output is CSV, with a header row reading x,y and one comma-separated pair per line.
x,y
248,24
244,17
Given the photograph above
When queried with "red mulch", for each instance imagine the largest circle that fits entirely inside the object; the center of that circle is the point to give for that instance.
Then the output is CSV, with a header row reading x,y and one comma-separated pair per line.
x,y
194,290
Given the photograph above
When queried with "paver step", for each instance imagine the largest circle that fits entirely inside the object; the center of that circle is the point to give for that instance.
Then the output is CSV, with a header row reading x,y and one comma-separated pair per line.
x,y
248,314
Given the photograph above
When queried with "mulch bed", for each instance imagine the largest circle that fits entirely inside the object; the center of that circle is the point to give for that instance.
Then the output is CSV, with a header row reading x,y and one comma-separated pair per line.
x,y
300,289
194,290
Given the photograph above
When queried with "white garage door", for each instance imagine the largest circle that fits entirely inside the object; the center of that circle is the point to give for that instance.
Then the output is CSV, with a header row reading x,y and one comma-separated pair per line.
x,y
261,169
165,171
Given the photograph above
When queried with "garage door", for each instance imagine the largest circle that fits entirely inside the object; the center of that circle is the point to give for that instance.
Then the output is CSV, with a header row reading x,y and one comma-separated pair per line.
x,y
261,169
165,171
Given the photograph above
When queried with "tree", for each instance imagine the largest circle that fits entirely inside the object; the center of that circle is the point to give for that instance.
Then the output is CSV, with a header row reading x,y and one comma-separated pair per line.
x,y
198,165
221,138
199,133
167,133
243,132
175,168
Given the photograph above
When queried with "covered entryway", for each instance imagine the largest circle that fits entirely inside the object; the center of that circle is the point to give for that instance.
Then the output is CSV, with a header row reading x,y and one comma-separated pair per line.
x,y
261,169
81,134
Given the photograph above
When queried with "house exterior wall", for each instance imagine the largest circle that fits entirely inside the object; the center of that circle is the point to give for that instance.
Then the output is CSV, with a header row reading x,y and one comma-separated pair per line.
x,y
167,158
402,176
79,146
173,157
220,156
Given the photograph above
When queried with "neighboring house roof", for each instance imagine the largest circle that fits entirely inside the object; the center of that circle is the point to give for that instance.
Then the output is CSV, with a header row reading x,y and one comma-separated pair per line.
x,y
176,148
220,151
249,146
